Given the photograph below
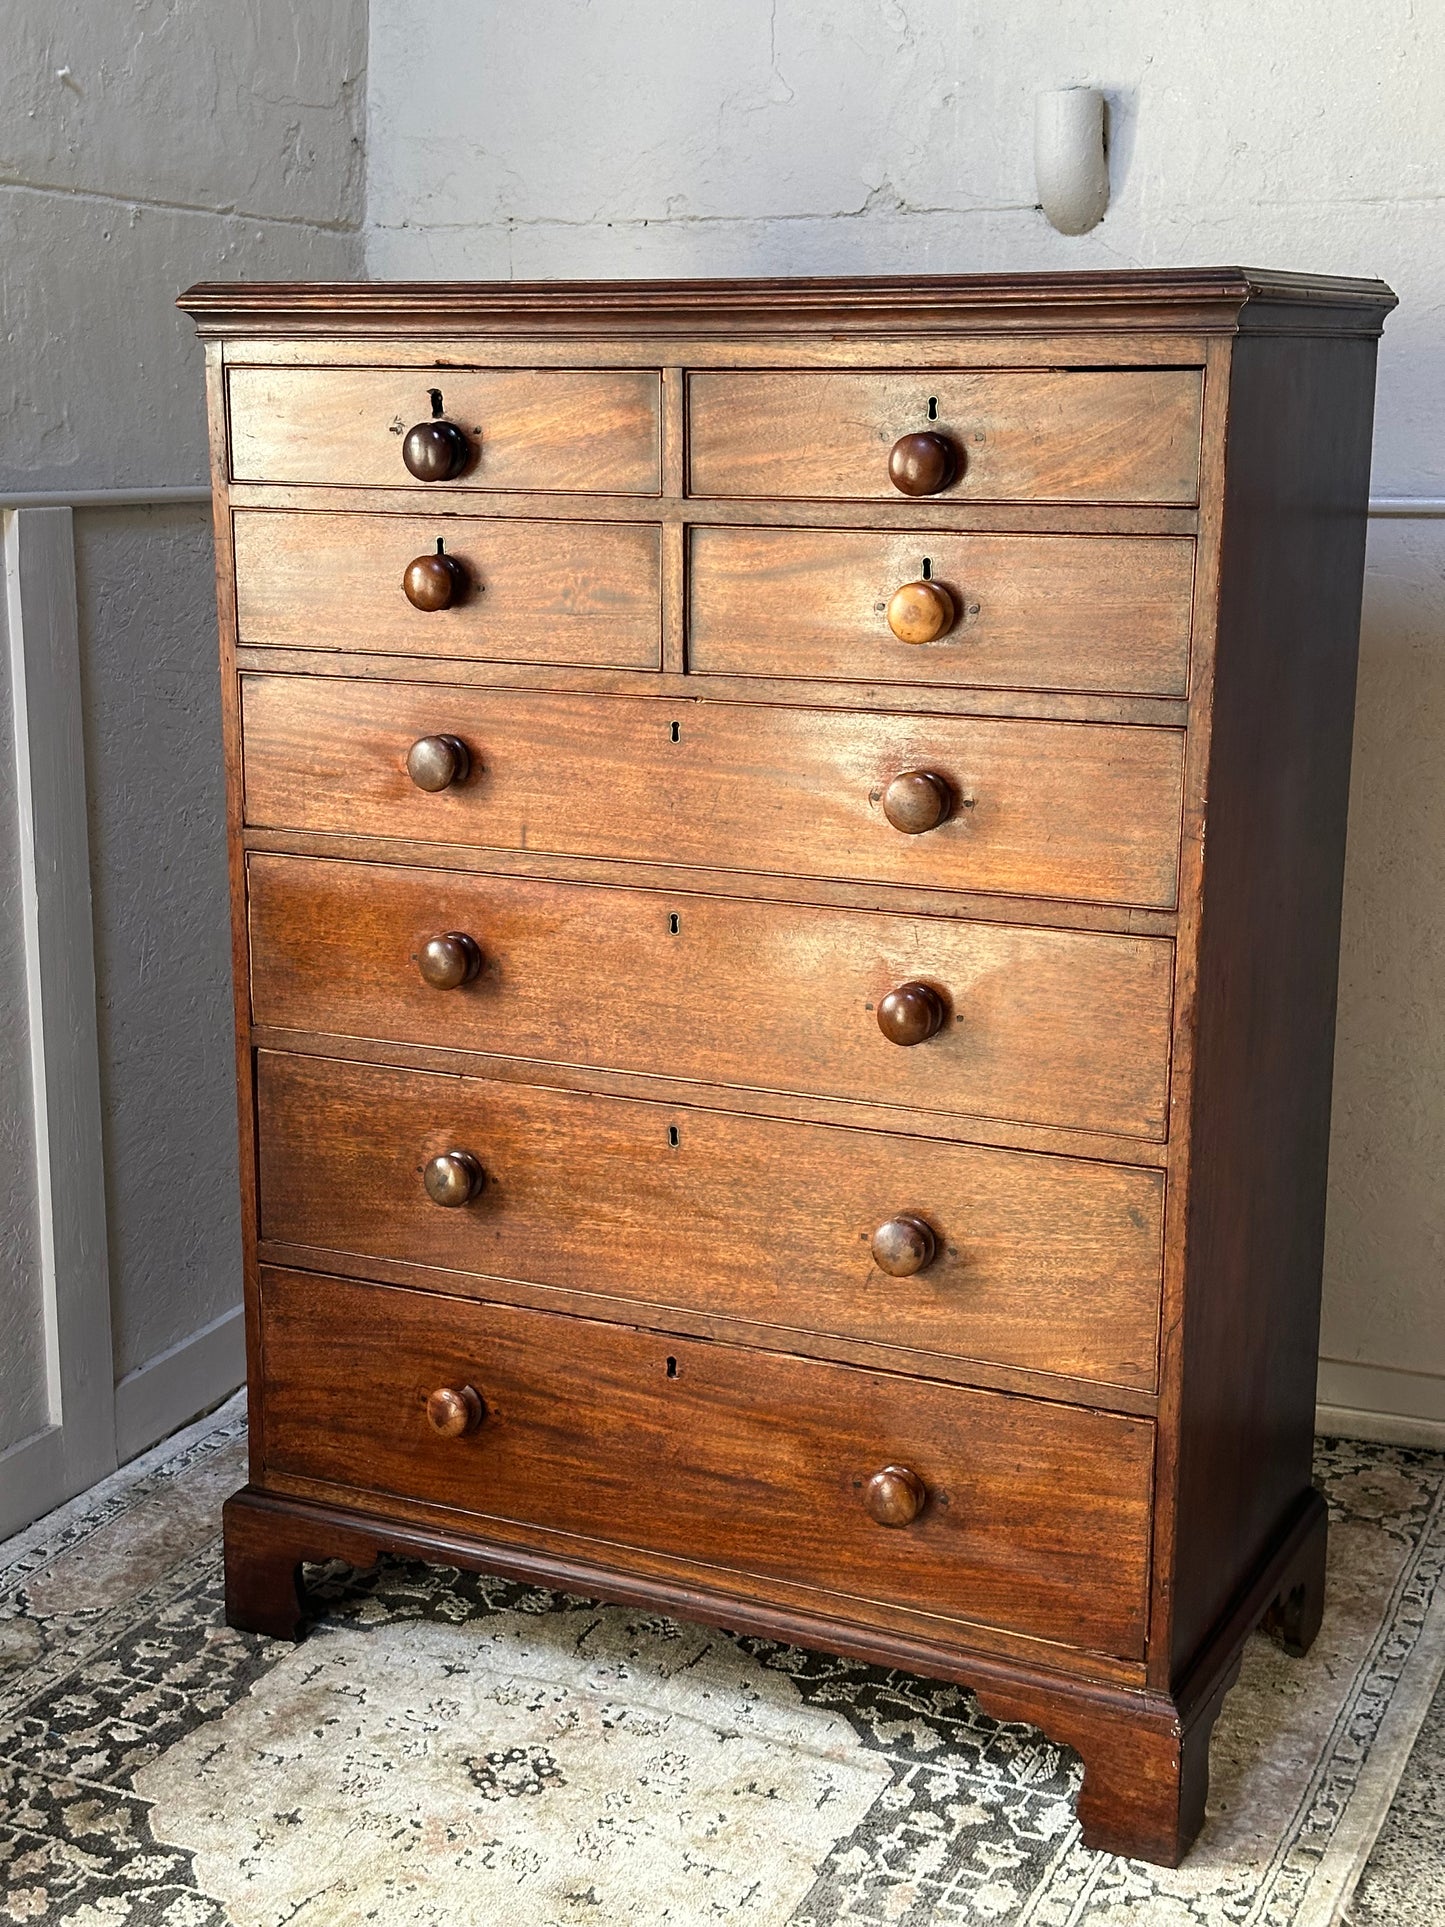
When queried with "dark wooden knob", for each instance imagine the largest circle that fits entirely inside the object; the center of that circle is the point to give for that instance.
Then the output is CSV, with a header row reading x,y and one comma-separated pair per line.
x,y
436,451
920,612
895,1496
917,800
903,1245
434,582
450,961
922,464
911,1014
436,762
454,1410
453,1179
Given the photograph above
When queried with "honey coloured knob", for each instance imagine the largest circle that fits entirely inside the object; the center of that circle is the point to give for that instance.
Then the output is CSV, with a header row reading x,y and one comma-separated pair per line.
x,y
436,451
895,1496
917,800
904,1245
434,582
446,963
453,1178
922,464
454,1410
436,762
920,612
911,1014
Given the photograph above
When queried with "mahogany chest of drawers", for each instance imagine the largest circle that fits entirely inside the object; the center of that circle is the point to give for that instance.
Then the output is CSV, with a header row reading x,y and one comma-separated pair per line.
x,y
786,844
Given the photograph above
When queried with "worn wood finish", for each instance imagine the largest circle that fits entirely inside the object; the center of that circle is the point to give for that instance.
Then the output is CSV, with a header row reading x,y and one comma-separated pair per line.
x,y
1108,613
1045,1026
1157,538
562,429
763,1459
1128,435
1055,809
1050,1264
554,592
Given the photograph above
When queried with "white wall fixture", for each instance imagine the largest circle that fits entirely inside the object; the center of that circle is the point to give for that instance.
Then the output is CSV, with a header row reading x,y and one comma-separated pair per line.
x,y
1070,163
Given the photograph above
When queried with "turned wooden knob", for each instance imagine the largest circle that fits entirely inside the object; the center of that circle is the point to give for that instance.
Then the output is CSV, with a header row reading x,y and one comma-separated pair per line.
x,y
436,762
911,1014
454,1410
453,1179
434,582
917,800
436,451
920,612
903,1245
450,961
895,1496
921,464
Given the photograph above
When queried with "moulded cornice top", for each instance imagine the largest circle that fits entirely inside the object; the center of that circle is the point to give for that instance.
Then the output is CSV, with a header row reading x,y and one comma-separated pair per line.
x,y
1192,300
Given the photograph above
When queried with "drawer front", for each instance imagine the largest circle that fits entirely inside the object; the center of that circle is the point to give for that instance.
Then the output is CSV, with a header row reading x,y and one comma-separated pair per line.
x,y
586,593
1047,1026
1118,435
1068,810
1035,1519
1050,1264
1067,612
594,431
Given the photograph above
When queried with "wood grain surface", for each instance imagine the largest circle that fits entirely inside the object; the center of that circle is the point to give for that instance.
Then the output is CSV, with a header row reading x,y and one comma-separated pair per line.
x,y
555,428
1125,435
1050,1264
551,592
1070,810
1069,612
1046,1026
1036,1517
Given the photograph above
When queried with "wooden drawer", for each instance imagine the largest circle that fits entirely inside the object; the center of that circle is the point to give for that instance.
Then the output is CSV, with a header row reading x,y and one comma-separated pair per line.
x,y
1067,612
1069,810
553,592
1113,435
1048,1026
531,428
1036,1517
1049,1264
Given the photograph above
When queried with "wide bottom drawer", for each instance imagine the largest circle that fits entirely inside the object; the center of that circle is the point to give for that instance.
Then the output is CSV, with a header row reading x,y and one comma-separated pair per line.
x,y
1031,1517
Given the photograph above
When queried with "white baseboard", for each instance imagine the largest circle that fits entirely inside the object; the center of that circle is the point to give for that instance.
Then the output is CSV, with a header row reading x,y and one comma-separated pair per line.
x,y
168,1391
1379,1403
33,1479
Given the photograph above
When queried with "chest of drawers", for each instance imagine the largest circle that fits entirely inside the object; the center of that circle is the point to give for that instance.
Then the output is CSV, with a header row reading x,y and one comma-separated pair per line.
x,y
786,844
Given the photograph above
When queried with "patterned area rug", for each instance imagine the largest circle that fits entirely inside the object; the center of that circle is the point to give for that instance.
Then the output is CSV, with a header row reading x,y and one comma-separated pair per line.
x,y
448,1750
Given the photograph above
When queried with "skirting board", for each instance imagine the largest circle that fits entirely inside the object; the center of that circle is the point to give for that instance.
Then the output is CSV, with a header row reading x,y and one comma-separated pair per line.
x,y
168,1391
1375,1402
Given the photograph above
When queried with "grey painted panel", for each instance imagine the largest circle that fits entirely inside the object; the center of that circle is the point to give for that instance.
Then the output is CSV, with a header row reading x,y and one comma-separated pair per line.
x,y
158,872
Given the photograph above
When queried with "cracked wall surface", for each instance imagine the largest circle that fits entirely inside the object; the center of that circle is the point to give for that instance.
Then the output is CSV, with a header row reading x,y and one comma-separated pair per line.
x,y
632,137
144,147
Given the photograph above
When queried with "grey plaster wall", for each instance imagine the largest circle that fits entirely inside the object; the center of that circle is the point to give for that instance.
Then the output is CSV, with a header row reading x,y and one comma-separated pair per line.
x,y
144,147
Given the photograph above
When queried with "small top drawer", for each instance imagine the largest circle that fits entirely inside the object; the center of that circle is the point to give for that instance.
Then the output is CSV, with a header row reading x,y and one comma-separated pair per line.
x,y
565,430
1112,435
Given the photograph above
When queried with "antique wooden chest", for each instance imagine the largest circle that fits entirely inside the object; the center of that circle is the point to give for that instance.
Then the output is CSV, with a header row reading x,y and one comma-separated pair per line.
x,y
786,843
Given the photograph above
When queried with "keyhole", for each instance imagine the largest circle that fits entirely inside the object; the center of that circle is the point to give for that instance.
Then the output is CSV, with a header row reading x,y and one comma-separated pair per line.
x,y
672,1136
676,732
436,401
932,407
928,568
440,549
672,1368
674,923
